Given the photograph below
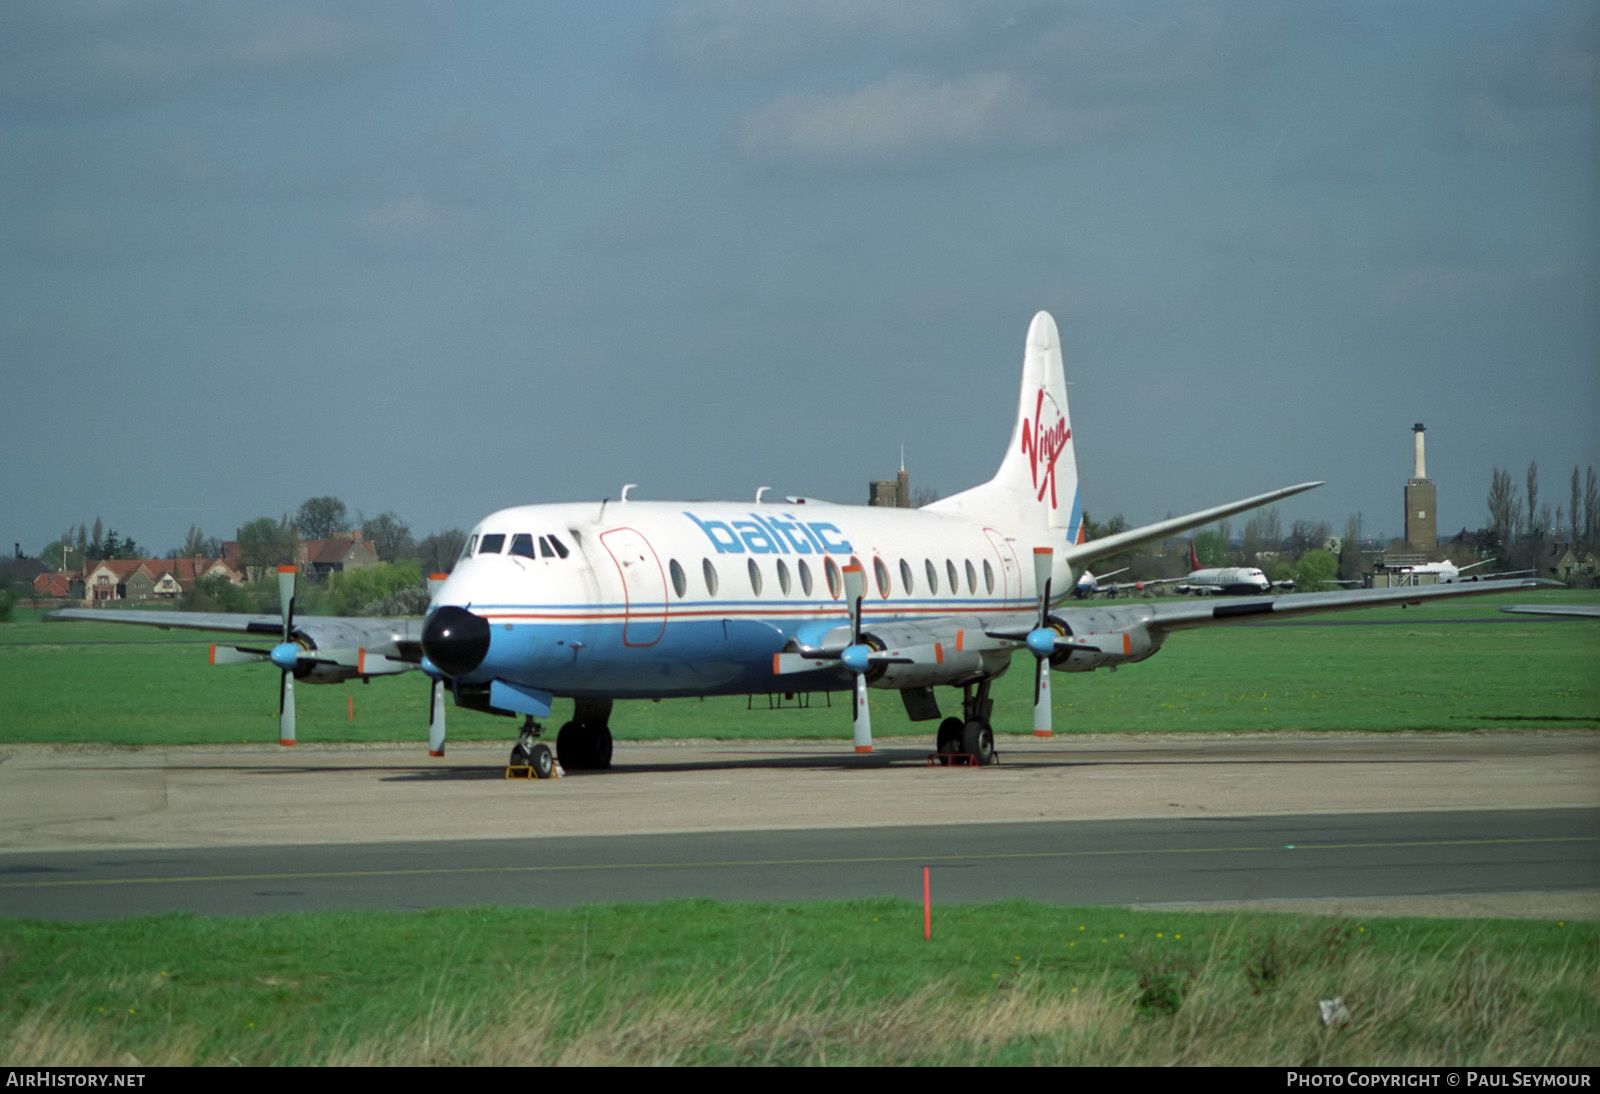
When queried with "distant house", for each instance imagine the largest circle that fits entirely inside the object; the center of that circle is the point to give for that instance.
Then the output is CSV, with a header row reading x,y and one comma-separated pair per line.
x,y
66,585
107,579
1568,563
320,557
151,578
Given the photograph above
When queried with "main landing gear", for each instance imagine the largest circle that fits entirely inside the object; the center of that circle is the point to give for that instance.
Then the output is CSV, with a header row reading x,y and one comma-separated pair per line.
x,y
583,744
970,735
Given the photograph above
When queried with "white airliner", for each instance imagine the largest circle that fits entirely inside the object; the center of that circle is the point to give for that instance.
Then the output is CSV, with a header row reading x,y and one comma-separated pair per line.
x,y
1089,584
1229,580
1447,572
596,602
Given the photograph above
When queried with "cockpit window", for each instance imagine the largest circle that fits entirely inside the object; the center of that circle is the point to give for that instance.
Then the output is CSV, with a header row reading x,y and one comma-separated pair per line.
x,y
521,544
544,548
490,545
561,548
472,545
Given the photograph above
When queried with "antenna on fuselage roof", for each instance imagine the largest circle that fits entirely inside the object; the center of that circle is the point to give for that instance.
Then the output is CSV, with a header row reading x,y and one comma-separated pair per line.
x,y
625,488
759,491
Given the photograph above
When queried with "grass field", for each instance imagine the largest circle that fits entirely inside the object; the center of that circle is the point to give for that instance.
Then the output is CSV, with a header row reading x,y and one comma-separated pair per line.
x,y
842,983
89,682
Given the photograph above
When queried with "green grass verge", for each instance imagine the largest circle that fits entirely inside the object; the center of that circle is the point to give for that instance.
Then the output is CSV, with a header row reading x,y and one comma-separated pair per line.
x,y
842,983
93,683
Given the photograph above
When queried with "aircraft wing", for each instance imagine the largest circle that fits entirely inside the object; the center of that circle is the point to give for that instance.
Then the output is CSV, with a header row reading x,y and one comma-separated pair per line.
x,y
1081,554
1587,611
344,638
1187,615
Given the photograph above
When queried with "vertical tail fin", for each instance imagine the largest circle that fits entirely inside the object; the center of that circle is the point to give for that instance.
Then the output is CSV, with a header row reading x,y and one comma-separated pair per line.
x,y
1037,483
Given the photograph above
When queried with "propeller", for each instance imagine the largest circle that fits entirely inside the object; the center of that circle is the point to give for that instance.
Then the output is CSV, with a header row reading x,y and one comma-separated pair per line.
x,y
285,655
857,656
1042,642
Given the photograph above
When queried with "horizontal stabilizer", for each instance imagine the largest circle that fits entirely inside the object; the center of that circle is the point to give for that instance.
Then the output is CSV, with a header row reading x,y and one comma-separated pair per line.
x,y
1084,553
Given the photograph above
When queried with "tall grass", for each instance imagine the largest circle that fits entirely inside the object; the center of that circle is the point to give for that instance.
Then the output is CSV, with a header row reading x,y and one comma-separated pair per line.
x,y
847,983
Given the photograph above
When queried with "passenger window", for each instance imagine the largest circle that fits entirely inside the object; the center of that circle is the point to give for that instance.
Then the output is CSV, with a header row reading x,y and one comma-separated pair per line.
x,y
755,577
680,584
955,582
933,575
830,570
805,577
905,576
491,544
972,579
522,544
881,572
988,578
783,577
710,573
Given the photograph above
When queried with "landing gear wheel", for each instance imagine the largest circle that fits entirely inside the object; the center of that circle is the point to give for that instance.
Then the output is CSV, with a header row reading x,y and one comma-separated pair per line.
x,y
542,761
569,747
584,747
949,739
977,740
600,748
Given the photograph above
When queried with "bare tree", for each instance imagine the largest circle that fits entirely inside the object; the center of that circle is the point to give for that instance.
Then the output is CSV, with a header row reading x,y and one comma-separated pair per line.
x,y
1503,507
1533,500
1575,514
1350,549
441,549
1591,510
390,536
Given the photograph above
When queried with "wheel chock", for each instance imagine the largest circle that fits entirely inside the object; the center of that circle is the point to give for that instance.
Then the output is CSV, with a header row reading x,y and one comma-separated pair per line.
x,y
952,759
526,771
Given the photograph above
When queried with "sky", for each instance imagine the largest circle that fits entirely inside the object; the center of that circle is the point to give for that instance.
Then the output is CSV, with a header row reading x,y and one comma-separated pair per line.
x,y
440,258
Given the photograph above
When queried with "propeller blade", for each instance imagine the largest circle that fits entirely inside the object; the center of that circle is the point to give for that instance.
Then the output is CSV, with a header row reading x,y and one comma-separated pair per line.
x,y
1042,642
1041,701
436,720
371,664
863,716
855,588
286,576
785,663
286,710
1043,559
235,655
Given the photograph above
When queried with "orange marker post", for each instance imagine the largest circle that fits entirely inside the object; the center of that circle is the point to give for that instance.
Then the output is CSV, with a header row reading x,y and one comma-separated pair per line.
x,y
352,708
927,909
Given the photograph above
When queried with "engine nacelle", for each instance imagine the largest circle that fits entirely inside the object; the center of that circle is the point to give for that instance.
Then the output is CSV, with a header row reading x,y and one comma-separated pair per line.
x,y
947,655
1111,637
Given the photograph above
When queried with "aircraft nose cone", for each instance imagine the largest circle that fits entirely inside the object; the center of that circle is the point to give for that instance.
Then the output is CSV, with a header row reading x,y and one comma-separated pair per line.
x,y
455,640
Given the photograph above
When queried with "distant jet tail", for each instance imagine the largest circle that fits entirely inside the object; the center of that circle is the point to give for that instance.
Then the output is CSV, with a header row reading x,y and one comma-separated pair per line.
x,y
1037,483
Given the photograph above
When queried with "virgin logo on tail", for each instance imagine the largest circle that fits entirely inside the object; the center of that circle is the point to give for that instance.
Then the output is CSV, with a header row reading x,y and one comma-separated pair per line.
x,y
1043,446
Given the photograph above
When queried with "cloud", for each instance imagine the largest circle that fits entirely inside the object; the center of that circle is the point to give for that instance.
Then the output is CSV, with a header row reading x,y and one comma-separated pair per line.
x,y
75,55
1444,288
722,39
64,233
415,227
909,115
1515,89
